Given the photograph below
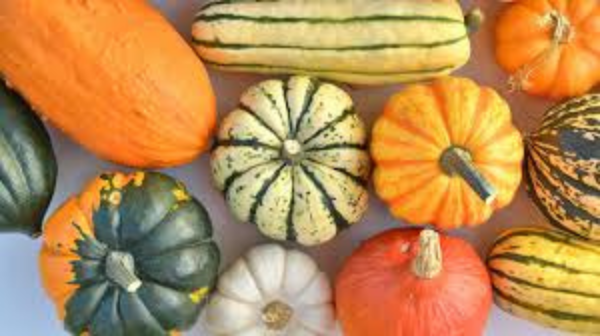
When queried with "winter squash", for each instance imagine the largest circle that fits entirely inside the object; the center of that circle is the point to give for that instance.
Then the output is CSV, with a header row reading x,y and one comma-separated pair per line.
x,y
413,282
563,166
550,47
113,75
27,167
271,291
292,159
548,277
131,255
446,153
353,41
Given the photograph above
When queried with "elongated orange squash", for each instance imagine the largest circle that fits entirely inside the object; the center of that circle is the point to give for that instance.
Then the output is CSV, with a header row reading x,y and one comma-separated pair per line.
x,y
112,74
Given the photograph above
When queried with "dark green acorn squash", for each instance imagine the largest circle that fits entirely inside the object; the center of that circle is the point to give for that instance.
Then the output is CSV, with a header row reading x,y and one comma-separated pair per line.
x,y
132,255
27,166
563,166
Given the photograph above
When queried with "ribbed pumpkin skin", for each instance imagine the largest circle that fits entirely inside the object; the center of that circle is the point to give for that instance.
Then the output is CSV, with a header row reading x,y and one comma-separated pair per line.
x,y
308,198
377,292
167,232
353,41
525,31
563,166
548,277
113,75
418,125
27,167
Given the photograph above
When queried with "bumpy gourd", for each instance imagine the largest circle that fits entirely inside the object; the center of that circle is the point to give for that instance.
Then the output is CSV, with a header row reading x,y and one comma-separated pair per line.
x,y
131,255
292,159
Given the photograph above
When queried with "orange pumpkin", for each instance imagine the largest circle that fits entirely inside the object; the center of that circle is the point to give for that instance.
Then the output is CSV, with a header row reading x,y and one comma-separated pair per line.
x,y
113,75
413,283
130,255
446,153
550,47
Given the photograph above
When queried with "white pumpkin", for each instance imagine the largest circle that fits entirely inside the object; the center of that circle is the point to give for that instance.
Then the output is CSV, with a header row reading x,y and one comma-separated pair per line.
x,y
293,160
271,292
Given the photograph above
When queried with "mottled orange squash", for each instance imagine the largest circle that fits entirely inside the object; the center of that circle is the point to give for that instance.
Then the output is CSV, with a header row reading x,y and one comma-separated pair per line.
x,y
446,153
113,75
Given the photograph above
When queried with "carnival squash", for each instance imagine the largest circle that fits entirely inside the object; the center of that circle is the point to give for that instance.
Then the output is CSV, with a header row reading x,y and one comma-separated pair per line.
x,y
550,47
113,75
353,41
548,277
563,166
446,153
292,159
413,283
272,291
27,166
132,255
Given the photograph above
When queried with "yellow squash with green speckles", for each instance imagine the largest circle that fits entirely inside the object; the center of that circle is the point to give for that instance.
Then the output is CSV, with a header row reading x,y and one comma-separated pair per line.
x,y
548,277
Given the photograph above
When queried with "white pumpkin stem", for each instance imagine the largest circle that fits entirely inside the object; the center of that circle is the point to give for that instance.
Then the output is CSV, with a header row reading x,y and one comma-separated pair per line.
x,y
458,161
277,315
428,263
562,33
120,268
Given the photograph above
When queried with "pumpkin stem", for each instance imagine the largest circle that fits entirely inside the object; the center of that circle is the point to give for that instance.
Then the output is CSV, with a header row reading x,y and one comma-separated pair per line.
x,y
474,19
292,150
120,268
562,33
428,263
458,161
277,315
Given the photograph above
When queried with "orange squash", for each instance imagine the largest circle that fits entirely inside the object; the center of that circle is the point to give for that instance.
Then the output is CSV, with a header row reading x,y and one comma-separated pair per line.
x,y
413,283
113,75
446,153
550,47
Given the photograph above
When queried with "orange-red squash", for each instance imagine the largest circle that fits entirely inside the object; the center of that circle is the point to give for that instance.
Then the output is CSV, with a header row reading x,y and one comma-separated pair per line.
x,y
446,153
550,47
113,75
413,283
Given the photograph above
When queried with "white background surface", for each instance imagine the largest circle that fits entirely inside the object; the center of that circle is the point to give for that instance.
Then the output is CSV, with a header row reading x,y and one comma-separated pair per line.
x,y
26,311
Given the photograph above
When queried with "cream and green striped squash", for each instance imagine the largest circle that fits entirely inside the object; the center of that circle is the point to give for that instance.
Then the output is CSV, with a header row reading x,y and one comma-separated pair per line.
x,y
292,159
563,166
353,41
548,277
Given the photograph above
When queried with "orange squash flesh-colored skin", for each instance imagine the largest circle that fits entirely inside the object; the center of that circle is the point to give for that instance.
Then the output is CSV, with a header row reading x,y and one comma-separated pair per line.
x,y
378,293
112,74
574,68
417,125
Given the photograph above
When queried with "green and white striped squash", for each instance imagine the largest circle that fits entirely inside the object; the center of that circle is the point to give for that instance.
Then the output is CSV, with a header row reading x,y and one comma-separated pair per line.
x,y
292,159
563,166
548,277
353,41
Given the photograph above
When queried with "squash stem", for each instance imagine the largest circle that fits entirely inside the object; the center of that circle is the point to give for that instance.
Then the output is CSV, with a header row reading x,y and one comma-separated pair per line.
x,y
277,315
474,19
120,268
428,263
292,150
458,161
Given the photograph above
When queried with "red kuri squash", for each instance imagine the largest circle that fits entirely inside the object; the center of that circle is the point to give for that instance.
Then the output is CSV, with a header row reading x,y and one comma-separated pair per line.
x,y
413,283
